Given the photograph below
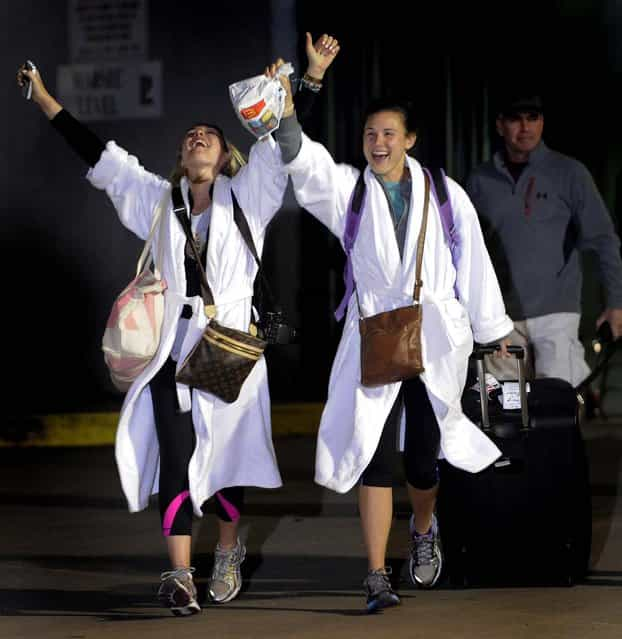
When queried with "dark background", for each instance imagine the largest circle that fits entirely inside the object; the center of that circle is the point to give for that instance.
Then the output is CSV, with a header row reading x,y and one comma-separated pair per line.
x,y
65,256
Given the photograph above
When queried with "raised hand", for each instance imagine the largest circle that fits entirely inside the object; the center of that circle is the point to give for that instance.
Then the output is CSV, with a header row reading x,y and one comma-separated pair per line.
x,y
320,55
40,94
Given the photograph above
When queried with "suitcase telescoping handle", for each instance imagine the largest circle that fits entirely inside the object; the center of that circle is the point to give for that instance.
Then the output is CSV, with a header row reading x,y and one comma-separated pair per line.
x,y
519,352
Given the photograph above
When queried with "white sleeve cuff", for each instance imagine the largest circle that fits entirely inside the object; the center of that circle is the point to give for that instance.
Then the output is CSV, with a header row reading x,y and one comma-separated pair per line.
x,y
108,166
494,332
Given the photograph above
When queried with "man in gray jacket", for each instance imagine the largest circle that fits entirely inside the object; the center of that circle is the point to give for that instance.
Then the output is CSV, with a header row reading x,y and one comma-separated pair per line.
x,y
538,210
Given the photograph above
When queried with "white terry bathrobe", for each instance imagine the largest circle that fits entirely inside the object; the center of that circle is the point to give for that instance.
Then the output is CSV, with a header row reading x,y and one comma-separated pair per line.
x,y
354,415
233,441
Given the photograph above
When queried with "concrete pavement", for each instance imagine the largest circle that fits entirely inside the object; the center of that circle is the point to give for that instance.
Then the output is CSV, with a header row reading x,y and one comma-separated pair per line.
x,y
74,564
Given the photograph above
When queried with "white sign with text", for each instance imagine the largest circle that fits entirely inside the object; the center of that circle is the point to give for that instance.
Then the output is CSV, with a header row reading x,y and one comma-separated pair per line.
x,y
111,91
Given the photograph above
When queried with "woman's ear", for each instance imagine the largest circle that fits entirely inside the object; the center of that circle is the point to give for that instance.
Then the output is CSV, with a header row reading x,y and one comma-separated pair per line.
x,y
411,138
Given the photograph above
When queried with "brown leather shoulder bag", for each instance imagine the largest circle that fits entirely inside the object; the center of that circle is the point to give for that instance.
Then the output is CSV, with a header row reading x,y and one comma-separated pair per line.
x,y
391,341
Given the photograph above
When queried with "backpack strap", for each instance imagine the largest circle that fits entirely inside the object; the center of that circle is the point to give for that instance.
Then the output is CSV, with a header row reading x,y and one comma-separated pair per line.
x,y
438,186
179,208
353,221
438,181
241,222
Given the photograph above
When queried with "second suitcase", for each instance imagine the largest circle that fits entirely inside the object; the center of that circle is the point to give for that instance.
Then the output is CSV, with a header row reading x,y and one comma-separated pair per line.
x,y
525,520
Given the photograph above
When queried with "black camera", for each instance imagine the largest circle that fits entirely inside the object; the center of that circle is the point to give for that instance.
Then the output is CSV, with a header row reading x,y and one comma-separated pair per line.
x,y
273,329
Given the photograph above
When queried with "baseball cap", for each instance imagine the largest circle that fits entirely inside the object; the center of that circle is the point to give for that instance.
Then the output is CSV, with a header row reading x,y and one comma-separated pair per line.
x,y
514,103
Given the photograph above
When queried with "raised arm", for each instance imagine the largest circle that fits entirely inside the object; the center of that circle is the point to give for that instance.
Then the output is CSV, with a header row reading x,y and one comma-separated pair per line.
x,y
321,186
133,190
80,138
263,177
320,55
260,185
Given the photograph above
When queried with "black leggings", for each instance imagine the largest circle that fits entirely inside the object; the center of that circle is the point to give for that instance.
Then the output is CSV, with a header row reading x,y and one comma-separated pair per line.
x,y
177,441
421,441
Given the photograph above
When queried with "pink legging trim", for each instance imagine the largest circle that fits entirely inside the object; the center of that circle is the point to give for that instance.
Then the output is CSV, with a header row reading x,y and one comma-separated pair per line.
x,y
230,509
171,512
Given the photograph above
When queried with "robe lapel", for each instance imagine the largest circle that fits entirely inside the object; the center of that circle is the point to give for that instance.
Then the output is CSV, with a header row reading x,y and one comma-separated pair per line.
x,y
415,216
220,225
177,241
382,233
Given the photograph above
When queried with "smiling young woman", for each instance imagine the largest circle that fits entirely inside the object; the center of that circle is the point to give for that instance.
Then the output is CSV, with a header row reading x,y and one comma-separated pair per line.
x,y
362,425
182,443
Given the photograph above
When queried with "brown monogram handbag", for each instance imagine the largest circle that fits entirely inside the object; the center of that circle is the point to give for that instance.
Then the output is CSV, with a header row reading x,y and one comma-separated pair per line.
x,y
224,357
391,341
220,361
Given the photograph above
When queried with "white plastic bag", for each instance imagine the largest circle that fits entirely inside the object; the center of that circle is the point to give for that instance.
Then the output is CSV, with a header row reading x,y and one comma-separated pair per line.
x,y
492,384
259,102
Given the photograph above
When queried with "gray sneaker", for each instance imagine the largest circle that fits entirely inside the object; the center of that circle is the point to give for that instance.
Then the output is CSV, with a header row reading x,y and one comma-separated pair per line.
x,y
178,592
426,555
380,594
226,578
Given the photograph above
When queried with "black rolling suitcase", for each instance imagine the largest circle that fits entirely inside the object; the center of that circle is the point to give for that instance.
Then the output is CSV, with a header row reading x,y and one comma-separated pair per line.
x,y
527,519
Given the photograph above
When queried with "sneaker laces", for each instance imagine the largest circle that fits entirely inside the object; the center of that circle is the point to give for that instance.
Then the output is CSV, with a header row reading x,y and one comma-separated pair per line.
x,y
378,580
177,573
423,548
225,562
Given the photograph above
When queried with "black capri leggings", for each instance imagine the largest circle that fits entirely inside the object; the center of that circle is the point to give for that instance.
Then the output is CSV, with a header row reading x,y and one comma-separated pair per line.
x,y
177,441
421,441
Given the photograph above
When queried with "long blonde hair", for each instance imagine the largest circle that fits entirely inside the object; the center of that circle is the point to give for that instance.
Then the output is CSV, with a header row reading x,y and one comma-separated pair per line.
x,y
236,158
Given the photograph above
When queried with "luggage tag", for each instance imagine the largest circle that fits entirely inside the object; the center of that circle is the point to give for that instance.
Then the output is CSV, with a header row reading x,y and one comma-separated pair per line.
x,y
510,395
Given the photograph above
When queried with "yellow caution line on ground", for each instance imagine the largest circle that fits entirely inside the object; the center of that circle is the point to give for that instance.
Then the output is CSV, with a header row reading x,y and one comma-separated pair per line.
x,y
98,429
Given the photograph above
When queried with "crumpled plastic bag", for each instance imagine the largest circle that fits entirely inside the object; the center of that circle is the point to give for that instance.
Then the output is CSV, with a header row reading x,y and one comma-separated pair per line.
x,y
492,384
259,102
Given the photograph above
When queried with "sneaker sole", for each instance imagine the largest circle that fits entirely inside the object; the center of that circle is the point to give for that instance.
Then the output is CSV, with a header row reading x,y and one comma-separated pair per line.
x,y
185,611
228,598
179,609
375,606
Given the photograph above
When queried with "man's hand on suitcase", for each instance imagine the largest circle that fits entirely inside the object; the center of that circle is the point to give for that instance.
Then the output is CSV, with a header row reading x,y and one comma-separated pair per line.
x,y
614,317
503,348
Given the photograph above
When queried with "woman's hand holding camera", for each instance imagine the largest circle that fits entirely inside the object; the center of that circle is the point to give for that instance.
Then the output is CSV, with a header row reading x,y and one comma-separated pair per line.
x,y
39,93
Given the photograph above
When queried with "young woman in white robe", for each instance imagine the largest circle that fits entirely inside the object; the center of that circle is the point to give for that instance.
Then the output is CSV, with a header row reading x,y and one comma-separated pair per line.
x,y
185,444
459,303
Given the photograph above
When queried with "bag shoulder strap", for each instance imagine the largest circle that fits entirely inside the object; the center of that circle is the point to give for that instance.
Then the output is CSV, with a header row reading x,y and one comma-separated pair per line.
x,y
353,214
438,180
438,183
179,208
242,223
353,221
157,215
421,239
